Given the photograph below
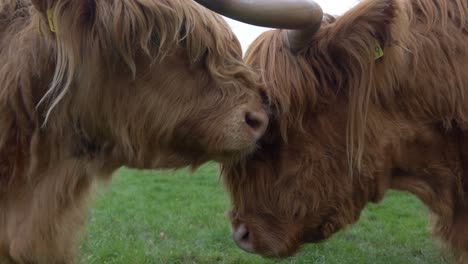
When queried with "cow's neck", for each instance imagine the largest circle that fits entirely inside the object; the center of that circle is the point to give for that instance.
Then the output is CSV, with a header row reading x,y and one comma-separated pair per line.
x,y
434,167
433,164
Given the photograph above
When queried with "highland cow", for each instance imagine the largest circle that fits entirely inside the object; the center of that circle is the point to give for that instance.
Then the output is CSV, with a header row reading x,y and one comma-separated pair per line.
x,y
372,100
88,86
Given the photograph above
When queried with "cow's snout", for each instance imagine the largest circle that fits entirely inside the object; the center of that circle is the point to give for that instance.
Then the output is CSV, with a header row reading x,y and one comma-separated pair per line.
x,y
242,131
268,241
243,238
257,121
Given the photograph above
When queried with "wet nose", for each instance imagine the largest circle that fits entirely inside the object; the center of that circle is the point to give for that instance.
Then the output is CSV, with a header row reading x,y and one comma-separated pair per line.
x,y
242,237
257,122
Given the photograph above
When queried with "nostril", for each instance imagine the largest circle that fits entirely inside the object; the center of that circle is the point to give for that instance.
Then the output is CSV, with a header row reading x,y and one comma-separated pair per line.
x,y
246,236
258,121
253,120
242,237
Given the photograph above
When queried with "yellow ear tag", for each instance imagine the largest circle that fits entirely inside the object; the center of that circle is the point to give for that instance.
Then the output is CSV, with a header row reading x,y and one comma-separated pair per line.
x,y
50,17
378,51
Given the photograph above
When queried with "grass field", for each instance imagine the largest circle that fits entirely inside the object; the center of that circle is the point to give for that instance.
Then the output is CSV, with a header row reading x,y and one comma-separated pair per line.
x,y
174,217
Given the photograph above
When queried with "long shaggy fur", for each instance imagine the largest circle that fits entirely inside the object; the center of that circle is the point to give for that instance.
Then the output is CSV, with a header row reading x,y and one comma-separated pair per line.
x,y
145,84
342,59
395,122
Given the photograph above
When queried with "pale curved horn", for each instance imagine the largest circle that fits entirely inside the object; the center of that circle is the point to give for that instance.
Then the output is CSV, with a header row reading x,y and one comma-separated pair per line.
x,y
284,14
298,39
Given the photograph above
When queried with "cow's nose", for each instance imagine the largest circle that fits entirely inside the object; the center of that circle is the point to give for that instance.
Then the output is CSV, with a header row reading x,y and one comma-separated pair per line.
x,y
258,122
243,238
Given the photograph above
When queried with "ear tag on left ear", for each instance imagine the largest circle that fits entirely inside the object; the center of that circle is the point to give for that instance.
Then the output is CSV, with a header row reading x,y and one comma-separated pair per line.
x,y
50,17
378,51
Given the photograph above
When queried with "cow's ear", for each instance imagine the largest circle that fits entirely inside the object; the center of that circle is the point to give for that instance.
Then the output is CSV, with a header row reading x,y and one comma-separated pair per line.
x,y
42,5
70,13
369,24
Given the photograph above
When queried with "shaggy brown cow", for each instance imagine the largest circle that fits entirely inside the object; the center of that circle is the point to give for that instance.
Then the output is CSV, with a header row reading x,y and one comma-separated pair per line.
x,y
89,86
375,99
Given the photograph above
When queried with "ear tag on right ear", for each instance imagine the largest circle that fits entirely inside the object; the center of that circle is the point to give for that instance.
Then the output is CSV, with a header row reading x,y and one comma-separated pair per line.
x,y
50,18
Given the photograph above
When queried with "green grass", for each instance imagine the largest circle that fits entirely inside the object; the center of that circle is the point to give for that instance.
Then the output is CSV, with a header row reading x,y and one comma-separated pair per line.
x,y
172,217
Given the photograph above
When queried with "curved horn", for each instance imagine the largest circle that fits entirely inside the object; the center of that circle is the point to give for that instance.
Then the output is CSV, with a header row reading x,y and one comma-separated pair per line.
x,y
284,14
298,39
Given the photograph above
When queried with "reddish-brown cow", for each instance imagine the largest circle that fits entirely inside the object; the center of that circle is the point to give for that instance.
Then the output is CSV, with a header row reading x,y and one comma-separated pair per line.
x,y
87,86
348,124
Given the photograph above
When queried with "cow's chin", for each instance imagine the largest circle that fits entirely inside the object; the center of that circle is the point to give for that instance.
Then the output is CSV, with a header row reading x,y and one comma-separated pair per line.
x,y
234,156
169,159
